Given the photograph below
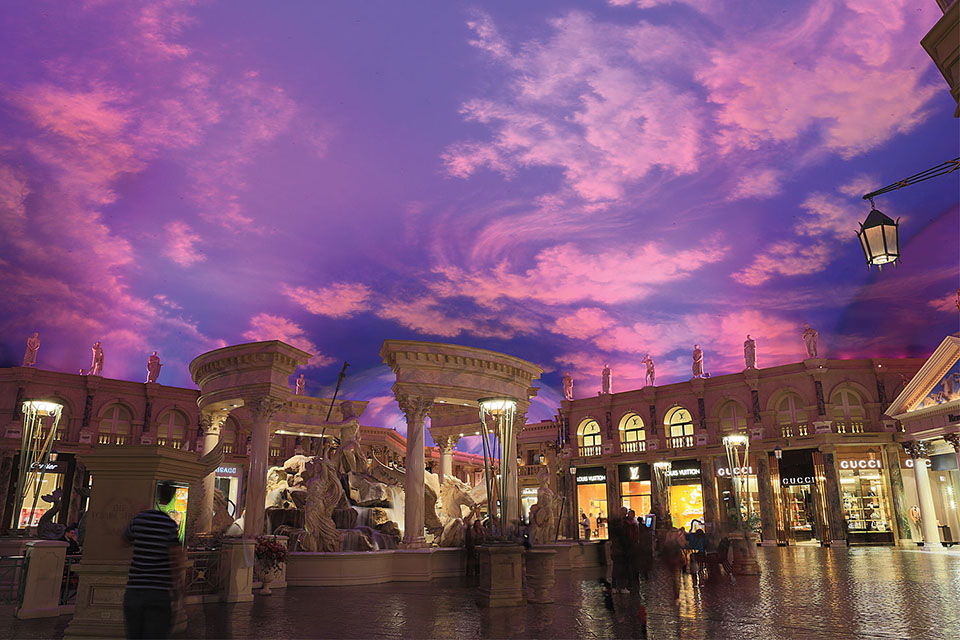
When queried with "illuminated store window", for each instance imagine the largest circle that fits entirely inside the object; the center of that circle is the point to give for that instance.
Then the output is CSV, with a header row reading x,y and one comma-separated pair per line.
x,y
632,434
592,500
114,424
171,429
589,436
791,418
863,493
679,426
847,411
732,417
635,488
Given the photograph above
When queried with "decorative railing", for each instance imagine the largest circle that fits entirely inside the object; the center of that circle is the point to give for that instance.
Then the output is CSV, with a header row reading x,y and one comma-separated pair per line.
x,y
529,470
590,451
791,430
68,588
849,428
680,442
173,443
203,576
13,571
275,452
112,438
227,447
637,446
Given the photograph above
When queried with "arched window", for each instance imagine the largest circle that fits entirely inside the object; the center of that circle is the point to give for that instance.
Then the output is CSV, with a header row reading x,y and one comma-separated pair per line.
x,y
847,409
589,436
228,435
632,435
791,418
733,418
114,424
679,426
172,429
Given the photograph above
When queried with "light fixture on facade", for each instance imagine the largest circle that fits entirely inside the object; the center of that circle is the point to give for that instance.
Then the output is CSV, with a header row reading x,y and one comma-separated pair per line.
x,y
738,457
40,422
879,238
778,453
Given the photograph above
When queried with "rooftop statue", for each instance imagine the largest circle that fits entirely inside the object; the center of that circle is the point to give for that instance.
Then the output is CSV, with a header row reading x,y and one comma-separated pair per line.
x,y
300,384
606,381
650,378
750,352
153,367
567,386
810,337
697,361
96,365
33,345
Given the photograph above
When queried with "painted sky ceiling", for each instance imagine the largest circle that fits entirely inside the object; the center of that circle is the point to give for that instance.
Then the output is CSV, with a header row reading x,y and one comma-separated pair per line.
x,y
571,183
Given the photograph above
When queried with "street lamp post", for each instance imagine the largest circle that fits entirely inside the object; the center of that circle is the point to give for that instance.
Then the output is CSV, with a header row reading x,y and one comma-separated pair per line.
x,y
497,416
744,546
661,470
35,447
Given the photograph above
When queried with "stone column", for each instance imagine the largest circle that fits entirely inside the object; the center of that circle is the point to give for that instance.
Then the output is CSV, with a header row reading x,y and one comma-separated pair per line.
x,y
768,516
416,409
954,439
211,423
263,410
446,444
513,470
831,484
917,450
708,483
894,486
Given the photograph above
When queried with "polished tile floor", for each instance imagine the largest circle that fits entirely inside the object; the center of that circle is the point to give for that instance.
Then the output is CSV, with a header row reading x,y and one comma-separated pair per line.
x,y
804,592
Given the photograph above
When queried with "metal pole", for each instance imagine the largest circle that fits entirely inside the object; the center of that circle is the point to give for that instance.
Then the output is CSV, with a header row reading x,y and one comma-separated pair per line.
x,y
340,377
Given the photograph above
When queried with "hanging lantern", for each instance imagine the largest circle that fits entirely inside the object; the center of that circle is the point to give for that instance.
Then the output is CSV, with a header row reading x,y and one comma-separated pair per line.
x,y
879,238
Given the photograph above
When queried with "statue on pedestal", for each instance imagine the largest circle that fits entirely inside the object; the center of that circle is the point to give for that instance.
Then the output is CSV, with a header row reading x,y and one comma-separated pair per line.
x,y
651,376
324,494
544,514
33,345
300,384
810,337
567,386
697,361
349,456
606,382
153,367
96,365
750,352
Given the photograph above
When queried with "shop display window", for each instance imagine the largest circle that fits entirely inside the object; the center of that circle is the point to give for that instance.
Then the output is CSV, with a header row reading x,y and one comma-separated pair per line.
x,y
31,513
686,504
863,494
637,496
801,511
592,499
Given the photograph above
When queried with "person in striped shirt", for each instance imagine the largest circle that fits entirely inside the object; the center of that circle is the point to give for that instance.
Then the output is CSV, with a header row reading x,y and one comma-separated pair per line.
x,y
147,603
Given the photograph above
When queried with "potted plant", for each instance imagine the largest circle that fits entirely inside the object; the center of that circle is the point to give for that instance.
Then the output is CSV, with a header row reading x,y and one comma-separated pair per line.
x,y
271,554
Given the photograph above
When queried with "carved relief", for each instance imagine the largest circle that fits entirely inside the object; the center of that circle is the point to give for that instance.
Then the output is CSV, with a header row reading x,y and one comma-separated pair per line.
x,y
954,439
916,449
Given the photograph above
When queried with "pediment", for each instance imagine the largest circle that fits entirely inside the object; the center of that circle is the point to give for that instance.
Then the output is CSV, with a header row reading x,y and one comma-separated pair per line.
x,y
937,382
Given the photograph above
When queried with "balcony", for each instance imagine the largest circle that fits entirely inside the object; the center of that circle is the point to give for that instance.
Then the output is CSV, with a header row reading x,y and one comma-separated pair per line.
x,y
680,442
590,451
637,446
791,430
849,428
227,447
173,443
111,438
529,470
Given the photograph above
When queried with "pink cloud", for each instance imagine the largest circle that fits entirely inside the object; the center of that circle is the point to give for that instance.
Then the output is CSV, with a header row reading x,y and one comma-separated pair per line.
x,y
339,300
585,101
584,323
818,72
947,303
266,326
762,183
181,244
787,258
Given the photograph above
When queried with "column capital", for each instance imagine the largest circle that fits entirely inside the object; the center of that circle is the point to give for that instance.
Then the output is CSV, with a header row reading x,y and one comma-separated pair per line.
x,y
212,421
953,439
415,408
446,443
916,449
264,408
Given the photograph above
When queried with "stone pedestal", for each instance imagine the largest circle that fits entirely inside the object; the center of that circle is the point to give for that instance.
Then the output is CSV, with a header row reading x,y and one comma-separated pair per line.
x,y
41,591
540,574
126,479
744,554
236,562
501,576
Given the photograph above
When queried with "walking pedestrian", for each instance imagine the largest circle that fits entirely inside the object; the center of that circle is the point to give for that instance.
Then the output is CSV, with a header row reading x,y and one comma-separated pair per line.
x,y
671,554
619,550
147,603
585,525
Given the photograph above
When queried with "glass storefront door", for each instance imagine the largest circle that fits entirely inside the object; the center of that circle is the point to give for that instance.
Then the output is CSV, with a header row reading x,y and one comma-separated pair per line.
x,y
592,500
635,488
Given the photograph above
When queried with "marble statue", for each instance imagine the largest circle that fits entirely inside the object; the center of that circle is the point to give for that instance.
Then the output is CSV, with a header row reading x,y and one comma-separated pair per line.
x,y
810,337
324,494
300,383
750,352
606,382
455,499
96,365
153,367
567,386
697,361
33,345
47,529
651,376
544,514
349,456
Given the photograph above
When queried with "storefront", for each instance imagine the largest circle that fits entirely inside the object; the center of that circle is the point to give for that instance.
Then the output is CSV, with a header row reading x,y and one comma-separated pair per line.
x,y
865,498
228,480
686,494
592,499
802,507
528,498
635,487
57,473
944,485
749,498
